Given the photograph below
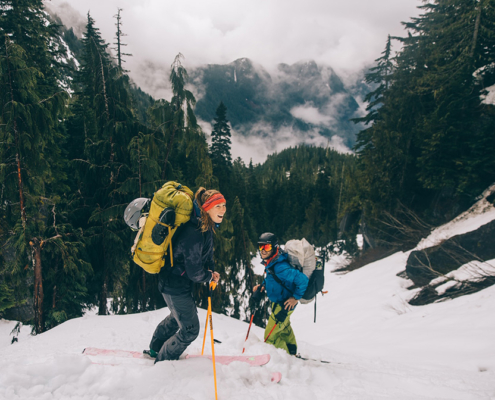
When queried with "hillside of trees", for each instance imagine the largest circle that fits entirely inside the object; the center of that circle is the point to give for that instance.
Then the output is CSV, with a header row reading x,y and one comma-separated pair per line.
x,y
427,151
79,141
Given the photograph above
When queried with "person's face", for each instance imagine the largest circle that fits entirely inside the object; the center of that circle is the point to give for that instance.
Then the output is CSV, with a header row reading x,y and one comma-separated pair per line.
x,y
217,212
266,250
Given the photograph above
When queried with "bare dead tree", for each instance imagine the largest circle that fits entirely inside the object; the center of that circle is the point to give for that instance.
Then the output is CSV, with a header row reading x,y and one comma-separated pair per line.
x,y
404,228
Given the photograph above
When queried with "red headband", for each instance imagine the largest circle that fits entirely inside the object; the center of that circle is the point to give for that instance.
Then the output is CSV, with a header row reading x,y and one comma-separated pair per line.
x,y
213,201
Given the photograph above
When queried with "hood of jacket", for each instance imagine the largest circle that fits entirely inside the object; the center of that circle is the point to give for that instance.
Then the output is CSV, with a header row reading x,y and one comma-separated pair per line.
x,y
196,214
280,257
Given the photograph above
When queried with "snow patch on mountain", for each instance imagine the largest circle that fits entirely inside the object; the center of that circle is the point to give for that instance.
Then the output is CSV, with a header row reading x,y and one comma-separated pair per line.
x,y
489,98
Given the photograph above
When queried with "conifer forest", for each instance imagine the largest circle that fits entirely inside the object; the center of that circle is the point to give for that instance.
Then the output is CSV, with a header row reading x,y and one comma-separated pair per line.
x,y
79,141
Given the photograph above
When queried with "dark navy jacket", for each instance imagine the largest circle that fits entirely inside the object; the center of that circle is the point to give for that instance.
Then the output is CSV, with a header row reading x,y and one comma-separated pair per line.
x,y
292,279
193,257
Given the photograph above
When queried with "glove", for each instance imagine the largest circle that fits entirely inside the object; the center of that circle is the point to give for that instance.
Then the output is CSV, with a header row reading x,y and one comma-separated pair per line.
x,y
281,315
256,297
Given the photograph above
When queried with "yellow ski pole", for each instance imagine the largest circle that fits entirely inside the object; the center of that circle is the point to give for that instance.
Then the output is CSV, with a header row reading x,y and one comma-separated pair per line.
x,y
212,287
206,328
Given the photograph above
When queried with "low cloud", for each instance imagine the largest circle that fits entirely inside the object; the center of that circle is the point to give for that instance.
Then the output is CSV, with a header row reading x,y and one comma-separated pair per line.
x,y
310,114
263,140
154,79
70,17
346,35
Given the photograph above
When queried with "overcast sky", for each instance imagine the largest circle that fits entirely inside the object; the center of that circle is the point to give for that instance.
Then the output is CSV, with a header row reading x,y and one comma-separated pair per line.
x,y
344,34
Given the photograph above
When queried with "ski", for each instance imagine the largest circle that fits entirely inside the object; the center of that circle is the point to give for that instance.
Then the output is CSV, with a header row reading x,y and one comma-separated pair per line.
x,y
94,351
276,377
311,359
257,360
254,361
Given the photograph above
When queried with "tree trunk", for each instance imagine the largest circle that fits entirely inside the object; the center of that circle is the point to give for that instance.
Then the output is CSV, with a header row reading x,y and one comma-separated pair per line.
x,y
38,285
119,55
21,194
171,143
340,195
102,308
144,292
107,109
139,170
54,297
476,29
16,135
404,167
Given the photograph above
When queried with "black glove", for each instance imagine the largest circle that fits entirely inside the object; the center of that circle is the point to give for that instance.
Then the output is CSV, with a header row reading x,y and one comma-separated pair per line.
x,y
281,315
256,297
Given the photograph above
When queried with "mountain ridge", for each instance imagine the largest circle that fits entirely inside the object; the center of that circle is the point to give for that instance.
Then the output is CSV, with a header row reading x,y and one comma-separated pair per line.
x,y
303,96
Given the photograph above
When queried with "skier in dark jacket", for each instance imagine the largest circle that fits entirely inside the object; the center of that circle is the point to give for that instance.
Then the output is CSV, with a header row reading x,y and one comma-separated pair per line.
x,y
284,286
192,247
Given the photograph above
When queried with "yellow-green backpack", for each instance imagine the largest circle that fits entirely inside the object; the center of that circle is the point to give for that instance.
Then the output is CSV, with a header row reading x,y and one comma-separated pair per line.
x,y
147,251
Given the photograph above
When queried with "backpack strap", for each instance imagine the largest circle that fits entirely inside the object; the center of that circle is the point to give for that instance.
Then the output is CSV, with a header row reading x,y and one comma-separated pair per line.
x,y
141,223
316,295
271,271
171,253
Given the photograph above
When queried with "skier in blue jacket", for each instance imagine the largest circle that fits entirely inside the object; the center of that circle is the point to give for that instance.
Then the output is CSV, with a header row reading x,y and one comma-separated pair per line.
x,y
284,286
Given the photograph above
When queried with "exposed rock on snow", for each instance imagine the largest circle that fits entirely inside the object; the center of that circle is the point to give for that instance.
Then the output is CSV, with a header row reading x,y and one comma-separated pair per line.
x,y
425,265
448,265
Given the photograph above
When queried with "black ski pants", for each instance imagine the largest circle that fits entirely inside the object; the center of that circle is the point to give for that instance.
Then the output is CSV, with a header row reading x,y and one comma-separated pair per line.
x,y
178,330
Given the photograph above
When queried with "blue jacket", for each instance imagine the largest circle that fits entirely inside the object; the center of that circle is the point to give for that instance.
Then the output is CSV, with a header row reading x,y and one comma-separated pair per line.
x,y
292,278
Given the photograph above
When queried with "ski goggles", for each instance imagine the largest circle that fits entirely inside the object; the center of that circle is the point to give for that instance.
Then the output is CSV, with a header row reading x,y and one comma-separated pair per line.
x,y
267,247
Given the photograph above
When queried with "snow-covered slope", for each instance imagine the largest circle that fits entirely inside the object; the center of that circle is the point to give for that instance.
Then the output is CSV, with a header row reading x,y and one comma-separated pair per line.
x,y
379,347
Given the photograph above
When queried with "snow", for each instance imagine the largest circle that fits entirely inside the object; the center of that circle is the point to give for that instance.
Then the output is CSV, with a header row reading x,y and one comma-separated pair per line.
x,y
360,241
481,213
489,98
258,268
473,271
379,346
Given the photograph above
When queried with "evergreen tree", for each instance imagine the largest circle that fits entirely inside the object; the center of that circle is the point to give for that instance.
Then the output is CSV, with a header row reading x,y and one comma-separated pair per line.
x,y
174,123
220,138
106,127
457,129
241,274
183,101
118,44
33,167
220,152
379,76
430,134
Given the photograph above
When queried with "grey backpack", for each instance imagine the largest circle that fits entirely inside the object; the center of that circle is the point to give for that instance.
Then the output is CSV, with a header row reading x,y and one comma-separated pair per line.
x,y
301,255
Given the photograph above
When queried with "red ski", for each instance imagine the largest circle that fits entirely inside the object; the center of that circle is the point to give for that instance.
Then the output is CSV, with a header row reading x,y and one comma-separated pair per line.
x,y
255,361
93,351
